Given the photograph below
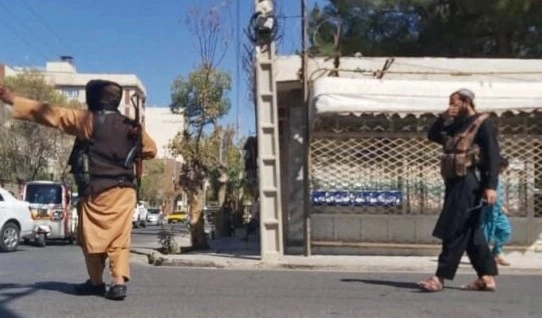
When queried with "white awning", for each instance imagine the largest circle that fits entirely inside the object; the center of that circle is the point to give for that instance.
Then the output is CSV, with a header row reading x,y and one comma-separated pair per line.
x,y
357,96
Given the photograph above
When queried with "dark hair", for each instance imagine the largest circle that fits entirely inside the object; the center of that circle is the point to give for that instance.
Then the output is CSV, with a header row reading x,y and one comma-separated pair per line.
x,y
504,162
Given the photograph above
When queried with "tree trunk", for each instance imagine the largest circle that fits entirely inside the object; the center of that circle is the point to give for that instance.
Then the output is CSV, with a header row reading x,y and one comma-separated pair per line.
x,y
220,221
198,237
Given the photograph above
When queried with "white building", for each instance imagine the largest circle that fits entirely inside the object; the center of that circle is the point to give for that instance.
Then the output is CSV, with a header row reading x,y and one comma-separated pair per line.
x,y
374,184
63,75
162,125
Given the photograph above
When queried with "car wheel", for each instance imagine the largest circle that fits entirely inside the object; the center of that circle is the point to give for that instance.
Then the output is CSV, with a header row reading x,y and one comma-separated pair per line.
x,y
144,224
10,235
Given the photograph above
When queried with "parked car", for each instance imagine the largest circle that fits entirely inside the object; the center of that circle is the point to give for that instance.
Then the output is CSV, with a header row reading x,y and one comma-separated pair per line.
x,y
176,217
15,221
140,215
155,217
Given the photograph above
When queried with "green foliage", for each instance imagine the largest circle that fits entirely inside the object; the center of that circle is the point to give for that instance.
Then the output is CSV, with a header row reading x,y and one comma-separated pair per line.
x,y
203,99
166,239
202,96
27,150
482,28
152,181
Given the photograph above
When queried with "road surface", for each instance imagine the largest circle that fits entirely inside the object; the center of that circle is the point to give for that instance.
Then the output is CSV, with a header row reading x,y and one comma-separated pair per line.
x,y
37,282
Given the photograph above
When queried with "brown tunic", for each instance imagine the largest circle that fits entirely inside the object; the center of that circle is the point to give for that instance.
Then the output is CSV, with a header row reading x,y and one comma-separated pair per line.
x,y
105,220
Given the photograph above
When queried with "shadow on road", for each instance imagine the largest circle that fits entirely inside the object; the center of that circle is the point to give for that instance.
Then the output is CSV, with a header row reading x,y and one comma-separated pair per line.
x,y
60,287
405,285
10,292
396,284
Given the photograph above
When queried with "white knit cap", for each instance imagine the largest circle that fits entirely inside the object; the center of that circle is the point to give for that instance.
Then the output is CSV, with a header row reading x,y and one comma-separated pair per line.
x,y
465,93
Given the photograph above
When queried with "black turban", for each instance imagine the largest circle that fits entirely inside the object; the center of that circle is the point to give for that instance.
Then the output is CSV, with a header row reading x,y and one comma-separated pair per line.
x,y
103,95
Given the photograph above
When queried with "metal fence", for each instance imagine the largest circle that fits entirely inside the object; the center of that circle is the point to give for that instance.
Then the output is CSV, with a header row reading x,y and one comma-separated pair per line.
x,y
386,166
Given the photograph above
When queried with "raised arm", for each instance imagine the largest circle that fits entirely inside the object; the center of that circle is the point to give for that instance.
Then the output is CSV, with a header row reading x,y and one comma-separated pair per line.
x,y
71,121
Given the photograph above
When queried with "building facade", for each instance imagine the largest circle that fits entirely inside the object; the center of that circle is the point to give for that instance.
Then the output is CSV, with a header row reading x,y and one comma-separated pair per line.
x,y
64,76
373,179
163,126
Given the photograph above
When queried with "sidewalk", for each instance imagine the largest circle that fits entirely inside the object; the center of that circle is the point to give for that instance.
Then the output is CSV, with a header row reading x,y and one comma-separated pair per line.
x,y
232,253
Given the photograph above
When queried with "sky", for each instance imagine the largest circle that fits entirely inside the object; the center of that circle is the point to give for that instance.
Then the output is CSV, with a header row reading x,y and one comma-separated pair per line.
x,y
146,38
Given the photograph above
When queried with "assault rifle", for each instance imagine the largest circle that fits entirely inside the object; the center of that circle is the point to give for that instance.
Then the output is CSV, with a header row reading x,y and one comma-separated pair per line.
x,y
135,153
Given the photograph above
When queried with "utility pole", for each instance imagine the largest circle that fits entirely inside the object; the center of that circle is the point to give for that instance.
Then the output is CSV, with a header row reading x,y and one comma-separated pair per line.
x,y
306,139
269,172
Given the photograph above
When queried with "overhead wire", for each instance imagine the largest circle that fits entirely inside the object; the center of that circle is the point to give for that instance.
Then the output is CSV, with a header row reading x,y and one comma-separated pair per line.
x,y
47,26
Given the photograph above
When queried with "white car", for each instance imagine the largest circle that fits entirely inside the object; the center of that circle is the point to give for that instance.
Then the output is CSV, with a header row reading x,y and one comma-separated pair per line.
x,y
156,217
15,221
139,218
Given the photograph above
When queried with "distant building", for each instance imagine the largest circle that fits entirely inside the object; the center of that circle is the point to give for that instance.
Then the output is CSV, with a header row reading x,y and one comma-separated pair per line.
x,y
162,125
159,122
63,75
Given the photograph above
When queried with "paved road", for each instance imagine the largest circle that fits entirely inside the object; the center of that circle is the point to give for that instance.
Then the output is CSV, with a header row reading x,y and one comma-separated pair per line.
x,y
37,282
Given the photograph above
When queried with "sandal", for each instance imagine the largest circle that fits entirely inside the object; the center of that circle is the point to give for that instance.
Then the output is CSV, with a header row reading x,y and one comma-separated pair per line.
x,y
432,284
502,261
480,285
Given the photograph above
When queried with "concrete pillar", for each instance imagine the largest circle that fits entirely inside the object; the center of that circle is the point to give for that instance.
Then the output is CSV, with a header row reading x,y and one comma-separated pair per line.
x,y
271,238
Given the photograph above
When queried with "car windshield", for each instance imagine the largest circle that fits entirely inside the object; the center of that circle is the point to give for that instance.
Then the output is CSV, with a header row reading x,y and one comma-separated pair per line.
x,y
154,211
43,193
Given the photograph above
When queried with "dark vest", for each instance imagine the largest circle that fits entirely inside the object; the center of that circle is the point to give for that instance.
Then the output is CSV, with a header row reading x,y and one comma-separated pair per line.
x,y
459,153
101,163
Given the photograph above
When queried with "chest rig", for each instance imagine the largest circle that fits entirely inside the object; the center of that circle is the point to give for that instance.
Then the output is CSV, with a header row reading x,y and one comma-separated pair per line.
x,y
459,152
105,160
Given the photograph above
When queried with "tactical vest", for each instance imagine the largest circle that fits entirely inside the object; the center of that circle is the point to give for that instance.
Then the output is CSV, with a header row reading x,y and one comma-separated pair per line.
x,y
102,162
460,153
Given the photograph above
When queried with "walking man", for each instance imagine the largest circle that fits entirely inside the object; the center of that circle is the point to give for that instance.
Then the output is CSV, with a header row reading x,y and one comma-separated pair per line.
x,y
104,175
470,169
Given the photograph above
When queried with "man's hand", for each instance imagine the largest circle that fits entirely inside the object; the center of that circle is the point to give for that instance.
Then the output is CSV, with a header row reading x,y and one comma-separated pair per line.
x,y
491,196
6,95
452,111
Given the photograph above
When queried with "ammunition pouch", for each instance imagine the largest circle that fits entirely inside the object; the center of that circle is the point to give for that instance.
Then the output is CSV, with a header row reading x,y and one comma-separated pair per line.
x,y
460,154
79,162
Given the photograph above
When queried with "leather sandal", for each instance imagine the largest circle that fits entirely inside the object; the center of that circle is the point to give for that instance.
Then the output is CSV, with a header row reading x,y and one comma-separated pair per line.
x,y
479,285
502,261
432,284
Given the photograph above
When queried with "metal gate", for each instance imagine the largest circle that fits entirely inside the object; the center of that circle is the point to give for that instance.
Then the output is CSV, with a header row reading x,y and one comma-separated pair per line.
x,y
376,178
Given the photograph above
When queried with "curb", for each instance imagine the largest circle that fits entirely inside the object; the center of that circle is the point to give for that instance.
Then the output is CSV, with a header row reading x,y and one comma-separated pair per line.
x,y
161,260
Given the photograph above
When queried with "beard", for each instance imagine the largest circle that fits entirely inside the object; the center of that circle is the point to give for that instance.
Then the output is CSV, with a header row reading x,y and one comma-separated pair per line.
x,y
461,118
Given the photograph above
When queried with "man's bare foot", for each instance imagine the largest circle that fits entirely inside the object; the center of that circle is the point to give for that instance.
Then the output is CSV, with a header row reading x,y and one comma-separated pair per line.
x,y
501,260
484,283
432,284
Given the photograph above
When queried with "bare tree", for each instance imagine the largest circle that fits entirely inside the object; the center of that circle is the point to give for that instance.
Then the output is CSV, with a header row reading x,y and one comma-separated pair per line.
x,y
202,97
